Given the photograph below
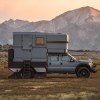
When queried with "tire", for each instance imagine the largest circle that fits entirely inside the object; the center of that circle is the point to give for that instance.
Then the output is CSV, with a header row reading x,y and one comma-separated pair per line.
x,y
40,75
83,72
27,74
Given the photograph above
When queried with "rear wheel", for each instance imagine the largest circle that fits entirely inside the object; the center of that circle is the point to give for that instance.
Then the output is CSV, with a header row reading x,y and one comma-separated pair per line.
x,y
83,72
27,74
40,75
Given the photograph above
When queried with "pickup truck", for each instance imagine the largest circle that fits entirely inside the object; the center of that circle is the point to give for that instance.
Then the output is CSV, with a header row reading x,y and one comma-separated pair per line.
x,y
66,63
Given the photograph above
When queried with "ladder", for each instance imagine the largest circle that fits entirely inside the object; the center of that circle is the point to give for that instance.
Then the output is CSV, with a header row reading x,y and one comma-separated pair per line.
x,y
26,72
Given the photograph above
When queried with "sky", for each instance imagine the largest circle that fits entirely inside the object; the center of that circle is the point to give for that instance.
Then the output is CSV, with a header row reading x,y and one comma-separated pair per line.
x,y
35,10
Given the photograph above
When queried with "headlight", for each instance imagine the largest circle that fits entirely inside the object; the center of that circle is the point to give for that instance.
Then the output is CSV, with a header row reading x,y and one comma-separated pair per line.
x,y
91,64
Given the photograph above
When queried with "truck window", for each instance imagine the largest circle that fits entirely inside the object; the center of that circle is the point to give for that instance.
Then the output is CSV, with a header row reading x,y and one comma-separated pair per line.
x,y
54,58
66,58
39,40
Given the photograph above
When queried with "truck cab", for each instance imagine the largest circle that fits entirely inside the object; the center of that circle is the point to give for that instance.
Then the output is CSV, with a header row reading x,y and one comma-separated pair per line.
x,y
66,63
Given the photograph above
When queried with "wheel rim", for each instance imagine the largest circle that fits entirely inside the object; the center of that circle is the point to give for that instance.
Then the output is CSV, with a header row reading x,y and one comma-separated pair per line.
x,y
84,73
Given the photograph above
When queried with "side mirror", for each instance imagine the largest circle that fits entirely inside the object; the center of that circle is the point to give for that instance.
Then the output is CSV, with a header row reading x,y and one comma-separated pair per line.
x,y
72,60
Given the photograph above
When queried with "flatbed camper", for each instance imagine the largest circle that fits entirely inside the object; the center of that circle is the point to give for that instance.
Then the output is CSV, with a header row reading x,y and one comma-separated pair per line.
x,y
35,54
31,50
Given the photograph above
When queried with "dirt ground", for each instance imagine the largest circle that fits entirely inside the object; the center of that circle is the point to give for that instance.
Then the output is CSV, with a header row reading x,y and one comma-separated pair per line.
x,y
54,87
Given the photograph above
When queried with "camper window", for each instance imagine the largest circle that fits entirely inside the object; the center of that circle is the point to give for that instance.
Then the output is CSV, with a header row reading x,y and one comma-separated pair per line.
x,y
39,40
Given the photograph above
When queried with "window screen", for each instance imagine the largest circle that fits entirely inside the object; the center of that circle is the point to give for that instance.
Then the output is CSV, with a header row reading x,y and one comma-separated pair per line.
x,y
39,40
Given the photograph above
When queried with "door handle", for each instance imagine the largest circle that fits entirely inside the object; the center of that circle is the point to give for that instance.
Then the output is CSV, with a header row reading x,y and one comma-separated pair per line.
x,y
49,63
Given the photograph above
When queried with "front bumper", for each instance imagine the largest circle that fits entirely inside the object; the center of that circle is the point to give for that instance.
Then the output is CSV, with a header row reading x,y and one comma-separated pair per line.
x,y
93,69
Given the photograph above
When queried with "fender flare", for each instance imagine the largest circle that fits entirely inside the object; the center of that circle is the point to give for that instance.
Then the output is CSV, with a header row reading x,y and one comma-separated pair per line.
x,y
82,65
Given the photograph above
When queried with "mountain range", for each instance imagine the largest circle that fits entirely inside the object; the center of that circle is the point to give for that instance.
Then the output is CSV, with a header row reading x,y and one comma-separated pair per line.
x,y
82,25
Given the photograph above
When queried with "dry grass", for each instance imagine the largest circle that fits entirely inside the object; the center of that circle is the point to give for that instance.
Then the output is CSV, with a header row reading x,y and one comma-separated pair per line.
x,y
54,87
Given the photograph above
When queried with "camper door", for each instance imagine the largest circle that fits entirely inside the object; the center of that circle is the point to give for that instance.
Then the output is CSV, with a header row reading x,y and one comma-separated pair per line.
x,y
27,41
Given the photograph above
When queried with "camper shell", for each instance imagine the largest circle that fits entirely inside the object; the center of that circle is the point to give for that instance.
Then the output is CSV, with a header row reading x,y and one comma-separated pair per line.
x,y
31,50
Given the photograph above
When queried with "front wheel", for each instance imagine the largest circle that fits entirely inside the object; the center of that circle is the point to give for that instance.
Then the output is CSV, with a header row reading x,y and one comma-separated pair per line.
x,y
83,72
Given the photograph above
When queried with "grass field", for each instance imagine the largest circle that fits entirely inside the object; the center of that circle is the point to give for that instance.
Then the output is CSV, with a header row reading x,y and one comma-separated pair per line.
x,y
54,87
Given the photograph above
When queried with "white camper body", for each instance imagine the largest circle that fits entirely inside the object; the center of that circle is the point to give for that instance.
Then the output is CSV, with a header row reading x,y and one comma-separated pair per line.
x,y
33,48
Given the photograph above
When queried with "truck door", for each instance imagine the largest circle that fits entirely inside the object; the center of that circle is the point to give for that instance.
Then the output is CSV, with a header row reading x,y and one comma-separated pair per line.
x,y
27,46
54,64
68,64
